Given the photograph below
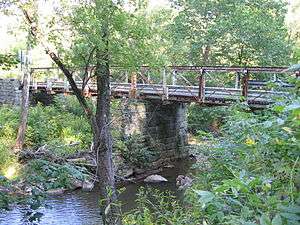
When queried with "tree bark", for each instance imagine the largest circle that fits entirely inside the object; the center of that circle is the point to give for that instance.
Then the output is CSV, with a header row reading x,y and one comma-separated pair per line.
x,y
100,123
206,53
24,113
110,210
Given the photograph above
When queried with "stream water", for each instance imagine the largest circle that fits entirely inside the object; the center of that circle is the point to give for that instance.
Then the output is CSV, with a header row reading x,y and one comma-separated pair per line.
x,y
81,208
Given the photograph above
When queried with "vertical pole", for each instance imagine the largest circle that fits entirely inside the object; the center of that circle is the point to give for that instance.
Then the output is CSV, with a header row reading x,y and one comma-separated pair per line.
x,y
66,86
34,83
49,85
165,88
133,88
148,77
86,90
174,77
245,85
126,76
201,94
237,80
297,73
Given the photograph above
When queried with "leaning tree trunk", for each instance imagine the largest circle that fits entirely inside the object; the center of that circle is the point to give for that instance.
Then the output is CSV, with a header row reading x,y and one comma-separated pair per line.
x,y
24,113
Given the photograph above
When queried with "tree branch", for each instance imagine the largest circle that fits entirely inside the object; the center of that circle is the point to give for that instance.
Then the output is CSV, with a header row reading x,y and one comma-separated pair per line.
x,y
88,111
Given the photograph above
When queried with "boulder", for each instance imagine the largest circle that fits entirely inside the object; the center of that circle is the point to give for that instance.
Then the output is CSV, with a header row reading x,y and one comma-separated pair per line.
x,y
57,191
155,179
76,184
87,186
183,182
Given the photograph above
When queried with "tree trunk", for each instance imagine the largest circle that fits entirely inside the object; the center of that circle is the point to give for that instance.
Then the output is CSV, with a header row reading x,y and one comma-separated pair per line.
x,y
103,143
100,123
24,113
206,53
110,210
241,56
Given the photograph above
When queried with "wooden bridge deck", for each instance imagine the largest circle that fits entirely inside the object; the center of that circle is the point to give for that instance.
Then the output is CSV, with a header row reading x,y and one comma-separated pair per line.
x,y
251,91
212,95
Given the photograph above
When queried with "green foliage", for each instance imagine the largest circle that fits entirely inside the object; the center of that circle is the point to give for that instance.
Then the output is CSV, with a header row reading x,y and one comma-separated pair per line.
x,y
254,168
135,151
7,61
52,125
8,124
57,127
251,177
206,119
51,175
156,208
231,32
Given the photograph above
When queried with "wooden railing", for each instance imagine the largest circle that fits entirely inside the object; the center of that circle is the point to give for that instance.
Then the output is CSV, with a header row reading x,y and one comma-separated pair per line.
x,y
175,84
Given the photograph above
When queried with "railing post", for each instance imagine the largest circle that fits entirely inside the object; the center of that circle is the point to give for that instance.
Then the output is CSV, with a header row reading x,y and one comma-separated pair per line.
x,y
34,82
245,84
86,90
201,94
174,77
148,77
297,73
126,76
165,88
133,87
49,85
237,80
66,86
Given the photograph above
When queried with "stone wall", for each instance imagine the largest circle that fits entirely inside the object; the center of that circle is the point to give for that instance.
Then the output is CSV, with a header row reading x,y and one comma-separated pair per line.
x,y
166,128
9,91
163,126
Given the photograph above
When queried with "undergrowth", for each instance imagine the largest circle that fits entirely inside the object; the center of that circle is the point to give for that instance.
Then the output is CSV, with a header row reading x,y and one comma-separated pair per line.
x,y
253,175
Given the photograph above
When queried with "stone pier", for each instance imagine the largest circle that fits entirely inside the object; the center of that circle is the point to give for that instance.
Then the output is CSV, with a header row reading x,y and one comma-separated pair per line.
x,y
162,125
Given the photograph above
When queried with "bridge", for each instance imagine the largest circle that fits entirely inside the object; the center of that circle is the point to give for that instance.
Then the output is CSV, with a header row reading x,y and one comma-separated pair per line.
x,y
258,86
154,101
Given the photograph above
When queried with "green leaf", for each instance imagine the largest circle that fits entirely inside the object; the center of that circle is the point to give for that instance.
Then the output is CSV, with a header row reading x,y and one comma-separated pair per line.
x,y
290,216
205,197
277,220
290,209
264,220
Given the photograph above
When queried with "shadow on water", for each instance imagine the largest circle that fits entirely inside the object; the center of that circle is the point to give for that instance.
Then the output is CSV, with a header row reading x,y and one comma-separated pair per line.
x,y
81,208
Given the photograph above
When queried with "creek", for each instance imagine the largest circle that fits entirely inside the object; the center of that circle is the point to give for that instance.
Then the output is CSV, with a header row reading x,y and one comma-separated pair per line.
x,y
81,208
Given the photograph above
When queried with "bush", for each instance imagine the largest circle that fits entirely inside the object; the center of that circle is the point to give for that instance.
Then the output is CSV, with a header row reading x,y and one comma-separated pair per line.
x,y
57,126
252,177
159,208
8,124
51,175
206,118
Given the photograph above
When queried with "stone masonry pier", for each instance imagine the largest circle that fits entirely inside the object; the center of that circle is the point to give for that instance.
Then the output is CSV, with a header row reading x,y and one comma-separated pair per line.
x,y
163,126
